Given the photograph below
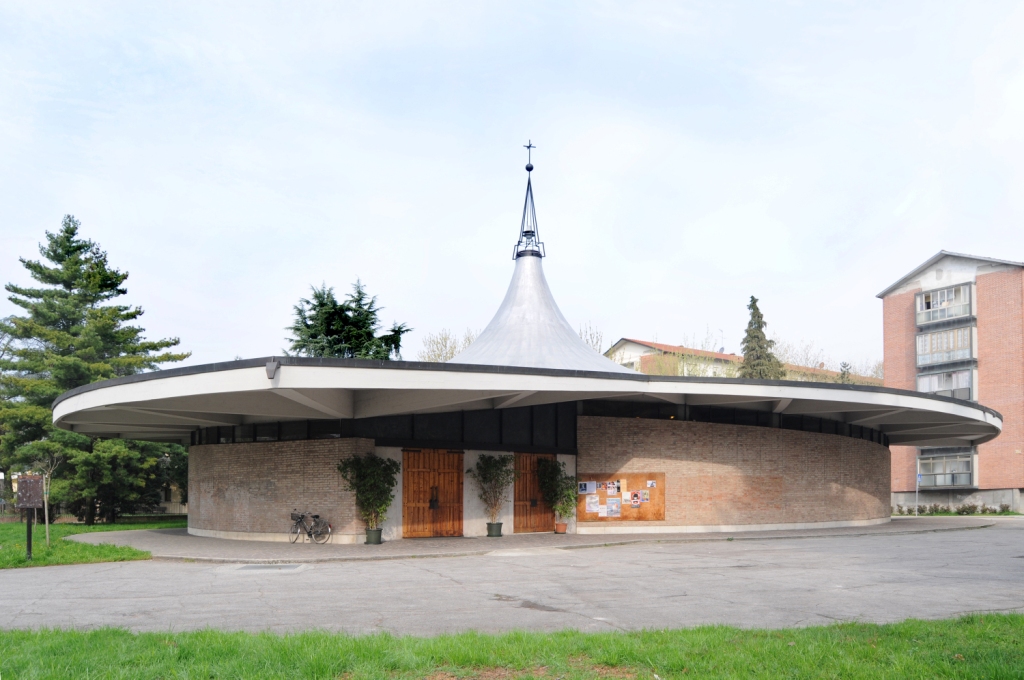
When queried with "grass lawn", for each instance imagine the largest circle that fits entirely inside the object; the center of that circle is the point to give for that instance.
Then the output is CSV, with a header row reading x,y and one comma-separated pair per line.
x,y
979,646
12,544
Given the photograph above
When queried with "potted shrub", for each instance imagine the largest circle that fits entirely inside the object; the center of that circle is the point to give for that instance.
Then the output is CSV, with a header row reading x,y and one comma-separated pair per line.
x,y
373,480
494,474
558,490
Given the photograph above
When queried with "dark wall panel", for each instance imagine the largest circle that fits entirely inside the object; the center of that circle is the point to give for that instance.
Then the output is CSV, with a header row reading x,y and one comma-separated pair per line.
x,y
566,425
439,427
387,427
482,427
545,425
515,426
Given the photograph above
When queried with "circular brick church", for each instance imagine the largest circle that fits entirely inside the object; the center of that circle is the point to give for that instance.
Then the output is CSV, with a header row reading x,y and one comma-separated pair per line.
x,y
650,453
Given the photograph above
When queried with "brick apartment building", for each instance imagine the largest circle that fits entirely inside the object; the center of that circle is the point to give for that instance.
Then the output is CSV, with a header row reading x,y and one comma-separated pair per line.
x,y
954,326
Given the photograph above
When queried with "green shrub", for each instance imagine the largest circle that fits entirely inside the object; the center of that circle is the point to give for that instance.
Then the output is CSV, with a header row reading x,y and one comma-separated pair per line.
x,y
557,487
373,480
494,474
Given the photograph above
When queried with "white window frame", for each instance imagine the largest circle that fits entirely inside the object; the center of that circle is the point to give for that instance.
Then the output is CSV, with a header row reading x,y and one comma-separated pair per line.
x,y
940,304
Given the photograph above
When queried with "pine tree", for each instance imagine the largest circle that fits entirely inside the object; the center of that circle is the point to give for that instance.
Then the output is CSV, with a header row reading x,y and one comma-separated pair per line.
x,y
71,335
845,376
758,360
325,327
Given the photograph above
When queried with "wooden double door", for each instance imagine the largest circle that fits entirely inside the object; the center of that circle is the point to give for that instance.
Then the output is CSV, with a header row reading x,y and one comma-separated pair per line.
x,y
431,493
532,514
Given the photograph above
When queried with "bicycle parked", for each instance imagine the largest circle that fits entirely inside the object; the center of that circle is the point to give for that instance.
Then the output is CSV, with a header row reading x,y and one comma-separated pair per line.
x,y
317,529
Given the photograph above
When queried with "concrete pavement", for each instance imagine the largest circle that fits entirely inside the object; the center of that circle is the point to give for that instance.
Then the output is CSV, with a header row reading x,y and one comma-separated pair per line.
x,y
751,583
178,544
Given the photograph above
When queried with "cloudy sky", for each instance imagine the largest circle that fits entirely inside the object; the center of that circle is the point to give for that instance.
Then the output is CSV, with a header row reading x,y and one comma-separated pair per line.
x,y
229,155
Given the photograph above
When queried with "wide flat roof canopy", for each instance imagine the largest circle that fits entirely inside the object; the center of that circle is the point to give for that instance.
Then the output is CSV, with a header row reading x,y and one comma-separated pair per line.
x,y
168,405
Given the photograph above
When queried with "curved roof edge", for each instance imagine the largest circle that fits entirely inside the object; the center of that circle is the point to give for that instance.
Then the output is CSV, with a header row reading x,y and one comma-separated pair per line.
x,y
506,370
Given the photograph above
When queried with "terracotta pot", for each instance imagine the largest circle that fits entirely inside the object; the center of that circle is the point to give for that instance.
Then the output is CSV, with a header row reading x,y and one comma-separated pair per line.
x,y
560,527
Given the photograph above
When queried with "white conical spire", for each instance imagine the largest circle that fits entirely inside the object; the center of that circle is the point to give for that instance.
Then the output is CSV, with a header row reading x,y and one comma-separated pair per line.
x,y
529,330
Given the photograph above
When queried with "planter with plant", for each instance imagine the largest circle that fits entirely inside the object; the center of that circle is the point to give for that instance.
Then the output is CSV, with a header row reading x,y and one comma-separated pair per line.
x,y
494,475
373,480
558,489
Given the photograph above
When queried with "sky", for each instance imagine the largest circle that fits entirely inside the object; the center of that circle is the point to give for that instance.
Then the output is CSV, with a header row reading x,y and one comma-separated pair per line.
x,y
689,155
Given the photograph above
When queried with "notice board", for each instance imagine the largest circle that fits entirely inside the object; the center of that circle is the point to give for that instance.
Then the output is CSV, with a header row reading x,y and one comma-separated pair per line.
x,y
620,497
30,492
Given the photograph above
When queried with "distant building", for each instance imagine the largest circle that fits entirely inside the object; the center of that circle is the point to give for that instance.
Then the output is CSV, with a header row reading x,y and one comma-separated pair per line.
x,y
655,358
954,327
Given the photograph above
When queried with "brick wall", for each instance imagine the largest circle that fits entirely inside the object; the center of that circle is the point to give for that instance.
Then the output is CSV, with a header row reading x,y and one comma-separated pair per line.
x,y
731,474
254,487
899,332
1001,375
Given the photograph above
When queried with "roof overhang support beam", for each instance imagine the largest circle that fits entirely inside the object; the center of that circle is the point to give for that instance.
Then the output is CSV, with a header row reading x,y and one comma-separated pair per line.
x,y
876,415
385,402
333,403
678,399
195,419
512,400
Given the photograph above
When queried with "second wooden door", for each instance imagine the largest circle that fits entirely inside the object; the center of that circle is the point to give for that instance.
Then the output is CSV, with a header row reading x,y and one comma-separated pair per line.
x,y
532,514
431,493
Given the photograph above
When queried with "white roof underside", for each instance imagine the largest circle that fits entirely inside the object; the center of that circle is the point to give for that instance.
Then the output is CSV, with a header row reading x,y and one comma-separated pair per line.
x,y
168,405
530,331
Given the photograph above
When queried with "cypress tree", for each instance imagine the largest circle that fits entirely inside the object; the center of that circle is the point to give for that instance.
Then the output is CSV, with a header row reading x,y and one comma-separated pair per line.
x,y
71,335
758,360
324,327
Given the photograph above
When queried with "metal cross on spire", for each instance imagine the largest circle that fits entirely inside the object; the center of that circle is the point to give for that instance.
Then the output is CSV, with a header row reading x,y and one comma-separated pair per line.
x,y
529,239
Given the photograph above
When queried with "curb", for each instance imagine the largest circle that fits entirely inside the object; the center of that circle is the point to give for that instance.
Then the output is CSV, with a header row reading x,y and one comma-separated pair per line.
x,y
606,544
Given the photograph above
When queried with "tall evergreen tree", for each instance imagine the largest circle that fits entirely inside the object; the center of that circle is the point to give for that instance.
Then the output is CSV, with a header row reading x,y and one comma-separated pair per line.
x,y
758,360
324,327
845,376
71,335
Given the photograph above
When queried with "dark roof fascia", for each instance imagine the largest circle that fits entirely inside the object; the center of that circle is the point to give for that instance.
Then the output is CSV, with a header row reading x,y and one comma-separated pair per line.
x,y
938,256
500,370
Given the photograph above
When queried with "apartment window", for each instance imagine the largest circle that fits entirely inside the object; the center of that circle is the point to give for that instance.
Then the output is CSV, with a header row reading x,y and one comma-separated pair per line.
x,y
955,384
947,470
947,303
940,347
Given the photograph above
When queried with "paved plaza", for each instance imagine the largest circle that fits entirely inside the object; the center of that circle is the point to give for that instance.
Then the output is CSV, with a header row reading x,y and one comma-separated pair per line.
x,y
906,569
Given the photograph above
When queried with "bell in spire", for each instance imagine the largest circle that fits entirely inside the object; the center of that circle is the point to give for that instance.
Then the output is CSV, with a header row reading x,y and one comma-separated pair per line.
x,y
529,238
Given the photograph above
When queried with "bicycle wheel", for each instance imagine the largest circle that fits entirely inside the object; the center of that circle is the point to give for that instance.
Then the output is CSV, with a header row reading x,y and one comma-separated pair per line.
x,y
322,532
297,531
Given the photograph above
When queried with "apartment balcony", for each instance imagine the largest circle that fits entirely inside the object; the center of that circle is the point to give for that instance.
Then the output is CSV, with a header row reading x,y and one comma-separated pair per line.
x,y
958,384
947,346
948,471
945,304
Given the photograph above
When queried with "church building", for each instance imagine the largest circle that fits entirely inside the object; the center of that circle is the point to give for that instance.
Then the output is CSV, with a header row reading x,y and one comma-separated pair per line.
x,y
651,453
